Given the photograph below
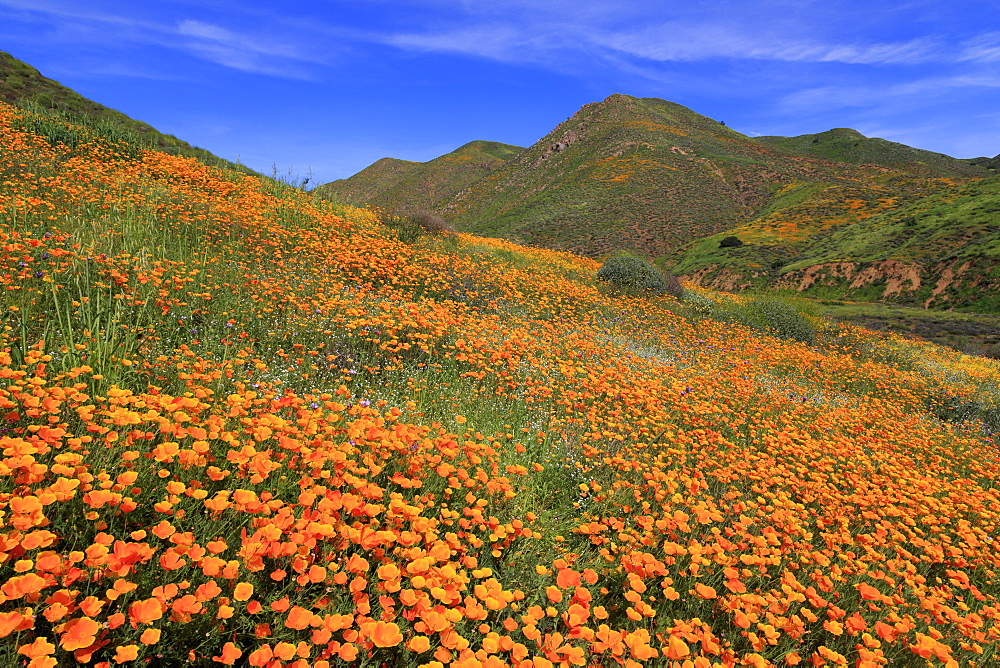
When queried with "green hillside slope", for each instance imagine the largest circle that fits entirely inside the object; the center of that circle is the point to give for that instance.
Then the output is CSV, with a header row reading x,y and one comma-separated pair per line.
x,y
942,250
645,174
370,183
393,183
650,175
987,163
24,86
850,146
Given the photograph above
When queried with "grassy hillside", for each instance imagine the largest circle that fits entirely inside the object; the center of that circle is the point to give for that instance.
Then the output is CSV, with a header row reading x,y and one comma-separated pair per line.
x,y
642,174
850,146
987,163
244,426
53,104
938,251
399,184
648,176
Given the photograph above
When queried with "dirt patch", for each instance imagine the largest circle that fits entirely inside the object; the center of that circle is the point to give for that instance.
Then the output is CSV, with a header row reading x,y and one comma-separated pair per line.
x,y
726,279
823,273
895,273
948,275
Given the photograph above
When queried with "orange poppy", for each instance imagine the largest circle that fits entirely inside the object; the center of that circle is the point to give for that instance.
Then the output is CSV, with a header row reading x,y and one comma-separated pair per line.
x,y
78,633
386,634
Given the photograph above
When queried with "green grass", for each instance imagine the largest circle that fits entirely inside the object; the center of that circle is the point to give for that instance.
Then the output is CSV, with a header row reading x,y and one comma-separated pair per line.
x,y
973,333
850,146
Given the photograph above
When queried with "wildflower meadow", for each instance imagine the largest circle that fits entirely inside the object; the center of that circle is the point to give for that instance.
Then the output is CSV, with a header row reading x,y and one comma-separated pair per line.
x,y
245,426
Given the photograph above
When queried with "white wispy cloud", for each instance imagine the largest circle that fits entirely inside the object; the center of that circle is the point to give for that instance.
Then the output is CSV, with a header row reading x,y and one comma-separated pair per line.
x,y
982,49
687,42
245,52
498,42
836,97
78,23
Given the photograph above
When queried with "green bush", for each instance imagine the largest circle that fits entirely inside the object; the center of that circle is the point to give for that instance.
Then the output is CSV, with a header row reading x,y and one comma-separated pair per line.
x,y
631,274
730,242
772,316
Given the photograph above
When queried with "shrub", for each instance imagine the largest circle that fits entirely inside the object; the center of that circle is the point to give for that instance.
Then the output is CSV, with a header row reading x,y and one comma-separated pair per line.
x,y
771,316
428,222
699,301
629,273
674,287
410,226
778,318
730,242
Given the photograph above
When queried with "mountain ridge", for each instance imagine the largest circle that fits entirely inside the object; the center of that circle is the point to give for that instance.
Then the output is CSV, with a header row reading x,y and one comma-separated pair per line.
x,y
850,146
393,183
653,175
657,178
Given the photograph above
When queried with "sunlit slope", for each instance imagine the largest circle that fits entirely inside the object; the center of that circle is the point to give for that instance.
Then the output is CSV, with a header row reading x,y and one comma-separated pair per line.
x,y
419,186
938,251
54,104
850,146
243,422
625,172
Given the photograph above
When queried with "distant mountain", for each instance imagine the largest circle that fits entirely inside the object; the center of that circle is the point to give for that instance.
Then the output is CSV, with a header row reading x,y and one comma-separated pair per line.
x,y
657,178
369,185
644,174
650,175
24,86
409,185
852,147
987,163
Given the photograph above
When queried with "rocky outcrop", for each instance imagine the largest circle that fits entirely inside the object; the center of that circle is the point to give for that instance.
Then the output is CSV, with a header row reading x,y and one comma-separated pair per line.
x,y
899,277
948,274
947,284
724,279
824,273
943,284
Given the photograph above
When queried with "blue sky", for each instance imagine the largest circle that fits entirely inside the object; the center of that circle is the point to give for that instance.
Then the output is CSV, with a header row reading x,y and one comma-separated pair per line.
x,y
328,87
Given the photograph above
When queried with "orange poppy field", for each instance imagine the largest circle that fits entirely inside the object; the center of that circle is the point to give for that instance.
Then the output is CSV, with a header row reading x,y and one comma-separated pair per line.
x,y
245,426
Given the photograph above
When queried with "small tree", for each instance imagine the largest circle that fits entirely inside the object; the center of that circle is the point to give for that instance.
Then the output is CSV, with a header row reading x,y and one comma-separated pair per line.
x,y
730,242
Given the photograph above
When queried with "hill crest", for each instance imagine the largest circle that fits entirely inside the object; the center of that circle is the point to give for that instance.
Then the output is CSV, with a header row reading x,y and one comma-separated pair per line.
x,y
24,86
402,184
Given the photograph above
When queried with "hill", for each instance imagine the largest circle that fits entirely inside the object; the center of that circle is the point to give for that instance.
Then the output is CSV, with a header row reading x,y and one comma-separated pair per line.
x,y
940,250
255,425
649,176
643,174
395,184
850,146
57,107
987,163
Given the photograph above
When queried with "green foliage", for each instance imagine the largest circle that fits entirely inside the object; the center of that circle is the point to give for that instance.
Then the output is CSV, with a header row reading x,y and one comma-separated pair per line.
x,y
71,132
730,242
771,315
631,274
